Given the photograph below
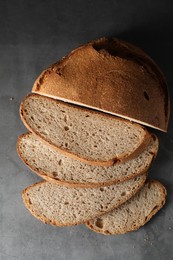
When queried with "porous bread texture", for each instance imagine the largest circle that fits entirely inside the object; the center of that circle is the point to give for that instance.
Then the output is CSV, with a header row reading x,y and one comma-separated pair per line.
x,y
112,76
64,206
89,136
55,166
134,213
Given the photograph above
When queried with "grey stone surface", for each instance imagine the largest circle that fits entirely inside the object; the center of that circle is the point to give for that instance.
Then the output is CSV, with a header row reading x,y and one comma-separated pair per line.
x,y
34,34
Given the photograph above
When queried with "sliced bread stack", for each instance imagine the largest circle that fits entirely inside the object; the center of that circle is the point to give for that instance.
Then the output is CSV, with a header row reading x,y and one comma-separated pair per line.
x,y
91,154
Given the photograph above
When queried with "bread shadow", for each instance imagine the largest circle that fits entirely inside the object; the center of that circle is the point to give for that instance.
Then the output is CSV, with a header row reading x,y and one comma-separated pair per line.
x,y
156,39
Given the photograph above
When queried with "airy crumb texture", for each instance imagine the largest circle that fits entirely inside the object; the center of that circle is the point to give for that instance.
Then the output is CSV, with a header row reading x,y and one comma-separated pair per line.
x,y
134,213
54,166
82,132
63,206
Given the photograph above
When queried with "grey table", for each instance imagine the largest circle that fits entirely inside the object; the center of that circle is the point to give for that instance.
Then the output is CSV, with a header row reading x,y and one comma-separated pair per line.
x,y
34,34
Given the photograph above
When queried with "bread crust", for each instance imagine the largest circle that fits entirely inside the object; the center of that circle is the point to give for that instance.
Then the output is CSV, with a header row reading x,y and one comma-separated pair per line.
x,y
56,223
134,228
80,184
77,78
124,157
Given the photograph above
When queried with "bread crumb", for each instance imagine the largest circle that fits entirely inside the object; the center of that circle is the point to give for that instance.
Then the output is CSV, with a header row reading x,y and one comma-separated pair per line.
x,y
11,98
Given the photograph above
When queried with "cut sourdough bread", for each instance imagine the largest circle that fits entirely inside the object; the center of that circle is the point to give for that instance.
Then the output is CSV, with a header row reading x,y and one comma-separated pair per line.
x,y
63,206
90,136
134,213
56,167
113,76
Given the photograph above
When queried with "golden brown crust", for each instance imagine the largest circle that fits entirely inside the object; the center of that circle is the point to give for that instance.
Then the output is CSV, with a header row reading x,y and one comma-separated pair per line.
x,y
141,147
55,223
115,77
134,228
79,184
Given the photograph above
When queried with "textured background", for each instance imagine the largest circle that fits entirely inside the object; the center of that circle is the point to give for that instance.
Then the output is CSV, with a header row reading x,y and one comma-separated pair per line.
x,y
34,34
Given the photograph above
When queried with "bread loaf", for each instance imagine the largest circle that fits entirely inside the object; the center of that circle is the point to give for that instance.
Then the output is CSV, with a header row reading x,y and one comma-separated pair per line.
x,y
113,76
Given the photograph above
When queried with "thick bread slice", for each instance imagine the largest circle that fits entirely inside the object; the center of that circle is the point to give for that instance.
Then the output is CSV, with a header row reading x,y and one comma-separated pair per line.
x,y
64,206
113,76
134,213
55,166
84,134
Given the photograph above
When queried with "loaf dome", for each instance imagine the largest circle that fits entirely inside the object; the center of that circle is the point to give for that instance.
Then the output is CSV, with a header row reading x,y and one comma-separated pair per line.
x,y
112,76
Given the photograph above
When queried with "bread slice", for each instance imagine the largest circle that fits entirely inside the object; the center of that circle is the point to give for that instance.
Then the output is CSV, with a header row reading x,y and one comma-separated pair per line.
x,y
113,76
134,213
55,166
64,206
81,133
